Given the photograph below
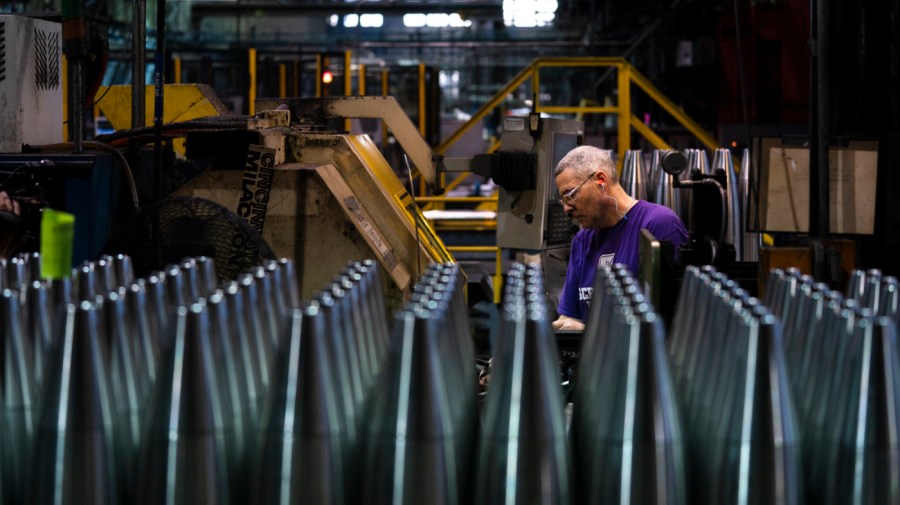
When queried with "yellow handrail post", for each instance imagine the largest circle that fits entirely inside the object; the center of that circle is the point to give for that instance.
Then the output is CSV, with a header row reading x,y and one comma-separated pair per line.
x,y
319,75
362,80
489,106
624,77
498,275
348,82
177,63
656,95
251,102
422,122
384,92
649,134
282,80
295,78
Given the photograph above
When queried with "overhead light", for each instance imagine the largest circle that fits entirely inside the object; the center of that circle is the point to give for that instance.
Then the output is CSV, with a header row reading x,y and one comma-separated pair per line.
x,y
435,20
529,13
416,20
371,20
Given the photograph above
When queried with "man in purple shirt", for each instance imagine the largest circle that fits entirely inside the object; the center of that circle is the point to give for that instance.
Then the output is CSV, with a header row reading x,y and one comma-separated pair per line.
x,y
611,223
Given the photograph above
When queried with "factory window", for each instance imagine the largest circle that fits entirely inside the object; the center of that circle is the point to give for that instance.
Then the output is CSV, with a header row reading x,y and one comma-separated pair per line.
x,y
371,20
356,20
435,20
529,13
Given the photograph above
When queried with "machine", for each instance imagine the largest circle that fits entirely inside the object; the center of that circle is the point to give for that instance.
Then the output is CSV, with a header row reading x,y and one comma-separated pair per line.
x,y
30,82
317,196
530,215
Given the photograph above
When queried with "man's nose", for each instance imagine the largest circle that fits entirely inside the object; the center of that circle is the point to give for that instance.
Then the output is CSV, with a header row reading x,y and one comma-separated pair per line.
x,y
568,208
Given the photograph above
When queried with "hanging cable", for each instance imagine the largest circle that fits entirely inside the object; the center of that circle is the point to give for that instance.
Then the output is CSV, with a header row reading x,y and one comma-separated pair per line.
x,y
99,146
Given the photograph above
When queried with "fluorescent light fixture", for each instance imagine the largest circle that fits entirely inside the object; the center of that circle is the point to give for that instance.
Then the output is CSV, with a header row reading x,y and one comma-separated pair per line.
x,y
414,20
371,20
435,20
529,13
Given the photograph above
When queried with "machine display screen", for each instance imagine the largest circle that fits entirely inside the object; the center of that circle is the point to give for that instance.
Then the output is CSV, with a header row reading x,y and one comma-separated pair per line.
x,y
562,143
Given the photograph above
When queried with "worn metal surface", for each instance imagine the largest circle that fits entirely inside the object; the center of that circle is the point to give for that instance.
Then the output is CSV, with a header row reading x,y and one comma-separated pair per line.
x,y
317,111
336,200
77,425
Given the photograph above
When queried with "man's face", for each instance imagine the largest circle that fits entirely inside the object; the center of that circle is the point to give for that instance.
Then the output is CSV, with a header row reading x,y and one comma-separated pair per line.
x,y
581,197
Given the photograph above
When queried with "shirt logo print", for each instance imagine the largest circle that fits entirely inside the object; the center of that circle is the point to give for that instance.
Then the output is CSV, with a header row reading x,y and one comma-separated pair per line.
x,y
606,260
585,294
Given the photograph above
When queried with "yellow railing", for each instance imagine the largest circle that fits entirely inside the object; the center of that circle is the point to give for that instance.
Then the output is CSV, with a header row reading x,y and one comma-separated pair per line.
x,y
627,76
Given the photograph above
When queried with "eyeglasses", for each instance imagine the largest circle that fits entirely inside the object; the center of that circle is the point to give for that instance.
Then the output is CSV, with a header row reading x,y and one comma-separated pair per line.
x,y
569,196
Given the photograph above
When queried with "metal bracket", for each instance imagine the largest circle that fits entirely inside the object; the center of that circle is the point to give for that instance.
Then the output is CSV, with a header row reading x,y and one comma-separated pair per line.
x,y
385,108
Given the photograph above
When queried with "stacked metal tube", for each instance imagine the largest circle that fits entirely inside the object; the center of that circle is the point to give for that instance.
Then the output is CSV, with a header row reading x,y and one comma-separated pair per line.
x,y
734,219
729,367
626,430
524,456
421,429
842,352
664,192
879,292
118,390
633,178
330,364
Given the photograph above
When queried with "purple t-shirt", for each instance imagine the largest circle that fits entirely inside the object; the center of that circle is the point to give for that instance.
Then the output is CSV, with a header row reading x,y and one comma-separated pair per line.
x,y
592,247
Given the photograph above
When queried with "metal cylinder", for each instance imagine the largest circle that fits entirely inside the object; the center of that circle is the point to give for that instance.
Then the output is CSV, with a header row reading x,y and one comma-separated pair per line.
x,y
184,461
77,421
302,445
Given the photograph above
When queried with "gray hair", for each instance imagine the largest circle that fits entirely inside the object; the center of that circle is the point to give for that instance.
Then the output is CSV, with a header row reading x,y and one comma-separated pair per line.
x,y
585,160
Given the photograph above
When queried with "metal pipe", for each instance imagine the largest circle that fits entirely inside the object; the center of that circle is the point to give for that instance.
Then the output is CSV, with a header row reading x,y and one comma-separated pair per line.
x,y
159,80
251,98
138,63
819,130
77,119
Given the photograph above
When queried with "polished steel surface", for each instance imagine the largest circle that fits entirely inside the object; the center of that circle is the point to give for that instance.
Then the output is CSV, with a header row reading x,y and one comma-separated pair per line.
x,y
234,394
16,272
20,408
747,194
734,218
75,460
302,450
146,343
208,280
38,328
735,388
633,180
86,284
33,265
411,451
663,187
257,329
267,306
128,388
184,460
524,456
159,312
252,367
124,269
